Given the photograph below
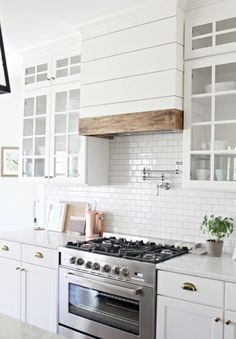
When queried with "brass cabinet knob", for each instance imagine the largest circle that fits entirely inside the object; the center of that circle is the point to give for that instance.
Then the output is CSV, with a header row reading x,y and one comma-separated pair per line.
x,y
217,319
188,286
227,322
5,248
38,255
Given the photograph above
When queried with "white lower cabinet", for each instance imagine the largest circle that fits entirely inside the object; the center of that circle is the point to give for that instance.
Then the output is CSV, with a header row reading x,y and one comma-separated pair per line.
x,y
178,319
230,325
190,307
10,287
29,291
39,296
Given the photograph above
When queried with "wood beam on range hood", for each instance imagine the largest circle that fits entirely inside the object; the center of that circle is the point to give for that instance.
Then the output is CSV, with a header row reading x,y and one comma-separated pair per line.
x,y
158,120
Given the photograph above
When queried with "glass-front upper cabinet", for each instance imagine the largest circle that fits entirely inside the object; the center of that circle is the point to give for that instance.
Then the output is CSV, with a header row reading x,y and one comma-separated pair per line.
x,y
37,73
35,130
210,122
65,142
66,67
206,36
52,70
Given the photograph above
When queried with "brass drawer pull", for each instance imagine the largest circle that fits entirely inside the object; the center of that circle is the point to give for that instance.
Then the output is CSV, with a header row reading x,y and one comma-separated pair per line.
x,y
5,248
38,255
217,319
188,286
227,322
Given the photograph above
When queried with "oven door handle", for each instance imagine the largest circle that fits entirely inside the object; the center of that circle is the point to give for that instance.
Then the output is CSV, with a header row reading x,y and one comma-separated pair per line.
x,y
114,288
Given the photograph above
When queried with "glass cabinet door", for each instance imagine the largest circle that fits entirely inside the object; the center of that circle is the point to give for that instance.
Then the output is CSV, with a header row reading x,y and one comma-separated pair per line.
x,y
66,67
65,139
213,122
37,73
35,131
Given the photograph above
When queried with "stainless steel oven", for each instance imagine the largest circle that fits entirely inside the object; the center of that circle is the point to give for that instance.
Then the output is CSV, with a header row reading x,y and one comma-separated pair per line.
x,y
92,306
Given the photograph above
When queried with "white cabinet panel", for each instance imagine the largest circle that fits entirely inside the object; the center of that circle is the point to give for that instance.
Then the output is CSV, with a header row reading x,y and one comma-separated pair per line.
x,y
161,84
9,249
230,296
179,319
149,60
230,325
40,256
10,287
172,285
39,292
139,37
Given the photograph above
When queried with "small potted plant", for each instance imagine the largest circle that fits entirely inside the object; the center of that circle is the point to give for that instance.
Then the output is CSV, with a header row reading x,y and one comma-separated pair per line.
x,y
217,228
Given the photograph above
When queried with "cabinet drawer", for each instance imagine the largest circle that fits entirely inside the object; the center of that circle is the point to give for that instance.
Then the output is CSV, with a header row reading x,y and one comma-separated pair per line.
x,y
40,256
190,288
230,296
10,249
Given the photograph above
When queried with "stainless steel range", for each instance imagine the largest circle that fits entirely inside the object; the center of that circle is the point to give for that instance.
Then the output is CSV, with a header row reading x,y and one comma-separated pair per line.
x,y
107,288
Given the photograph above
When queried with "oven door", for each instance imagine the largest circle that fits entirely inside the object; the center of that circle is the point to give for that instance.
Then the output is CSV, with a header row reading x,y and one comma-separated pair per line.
x,y
105,308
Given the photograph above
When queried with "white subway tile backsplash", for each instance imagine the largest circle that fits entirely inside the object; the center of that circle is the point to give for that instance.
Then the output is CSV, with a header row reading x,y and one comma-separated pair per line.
x,y
132,206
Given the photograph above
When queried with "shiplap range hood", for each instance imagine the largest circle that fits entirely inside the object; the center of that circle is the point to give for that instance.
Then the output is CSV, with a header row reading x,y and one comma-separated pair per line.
x,y
132,71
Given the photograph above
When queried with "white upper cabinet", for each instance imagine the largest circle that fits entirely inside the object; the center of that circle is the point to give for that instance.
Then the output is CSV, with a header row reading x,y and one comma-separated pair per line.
x,y
210,122
52,66
51,148
211,33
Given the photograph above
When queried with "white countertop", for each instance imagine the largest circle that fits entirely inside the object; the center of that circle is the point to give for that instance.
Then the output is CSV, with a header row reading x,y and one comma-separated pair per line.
x,y
47,239
15,329
223,268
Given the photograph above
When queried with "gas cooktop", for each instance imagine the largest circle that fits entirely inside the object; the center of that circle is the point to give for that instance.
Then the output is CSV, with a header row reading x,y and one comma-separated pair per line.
x,y
128,249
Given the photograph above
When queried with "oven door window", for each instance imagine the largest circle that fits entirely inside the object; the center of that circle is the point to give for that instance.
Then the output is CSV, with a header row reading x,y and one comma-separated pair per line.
x,y
105,308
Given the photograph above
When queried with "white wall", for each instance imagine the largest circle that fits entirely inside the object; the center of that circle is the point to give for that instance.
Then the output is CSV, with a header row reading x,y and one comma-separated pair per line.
x,y
16,199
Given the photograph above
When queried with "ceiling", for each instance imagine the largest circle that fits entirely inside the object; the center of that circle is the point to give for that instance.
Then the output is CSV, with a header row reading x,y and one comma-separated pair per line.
x,y
26,23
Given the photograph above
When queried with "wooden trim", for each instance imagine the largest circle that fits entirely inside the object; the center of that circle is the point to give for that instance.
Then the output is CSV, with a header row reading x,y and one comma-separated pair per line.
x,y
159,120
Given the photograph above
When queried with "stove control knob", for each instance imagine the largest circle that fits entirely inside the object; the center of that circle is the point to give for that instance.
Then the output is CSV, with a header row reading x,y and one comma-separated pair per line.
x,y
72,260
116,270
96,266
89,264
106,268
125,272
80,261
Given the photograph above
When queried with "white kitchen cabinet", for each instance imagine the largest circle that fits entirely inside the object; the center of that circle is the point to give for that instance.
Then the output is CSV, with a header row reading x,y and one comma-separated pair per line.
x,y
211,32
29,284
194,307
51,148
180,319
230,325
210,122
54,68
10,287
39,296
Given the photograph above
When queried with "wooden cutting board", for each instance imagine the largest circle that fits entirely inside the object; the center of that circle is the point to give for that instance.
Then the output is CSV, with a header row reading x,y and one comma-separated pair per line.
x,y
75,209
